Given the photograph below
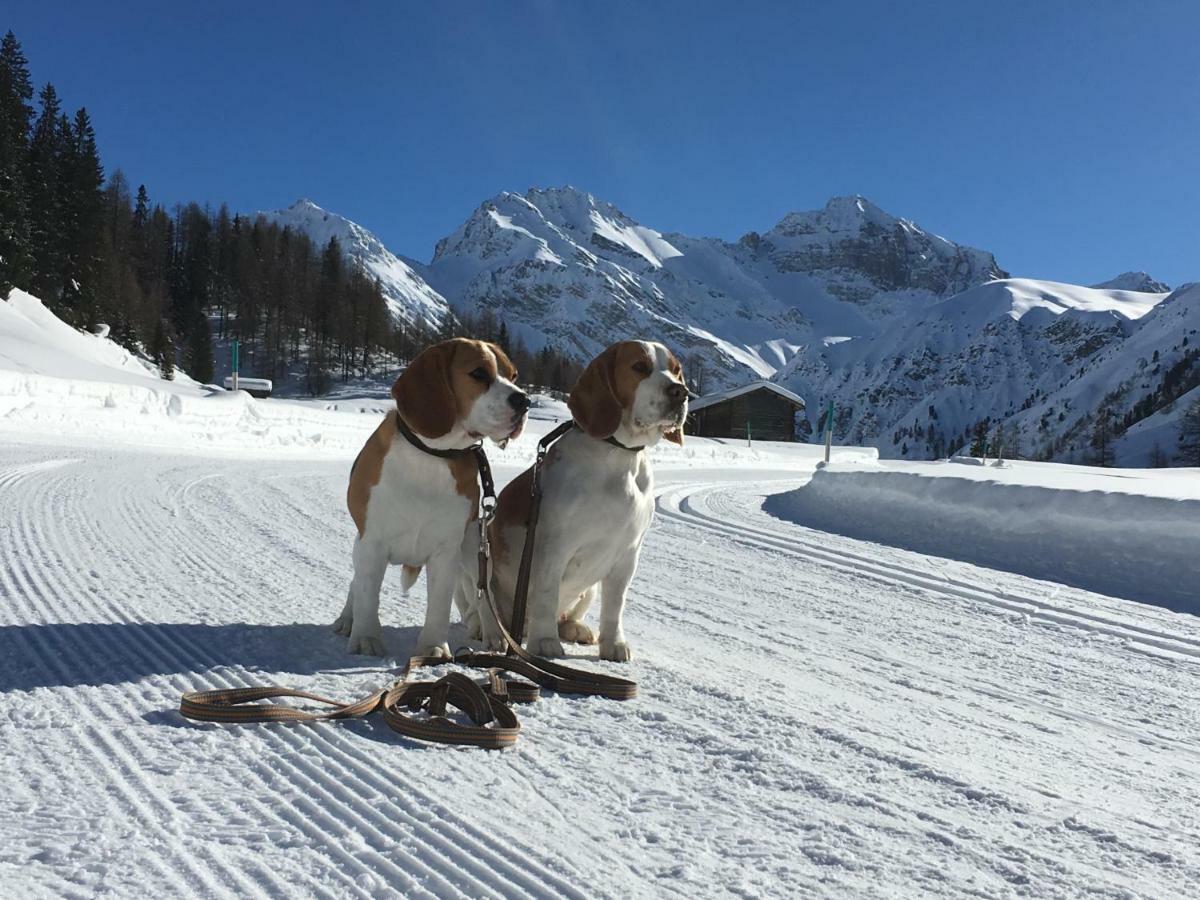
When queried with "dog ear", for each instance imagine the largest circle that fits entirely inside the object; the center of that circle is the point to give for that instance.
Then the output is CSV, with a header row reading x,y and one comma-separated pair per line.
x,y
423,394
593,401
504,366
675,436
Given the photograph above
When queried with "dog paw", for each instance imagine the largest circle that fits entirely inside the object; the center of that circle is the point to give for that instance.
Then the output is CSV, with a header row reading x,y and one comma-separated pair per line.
x,y
616,651
551,648
367,644
436,651
344,624
576,632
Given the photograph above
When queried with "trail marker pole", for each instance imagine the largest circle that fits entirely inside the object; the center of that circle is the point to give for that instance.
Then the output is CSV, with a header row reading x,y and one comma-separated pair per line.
x,y
747,432
235,365
828,430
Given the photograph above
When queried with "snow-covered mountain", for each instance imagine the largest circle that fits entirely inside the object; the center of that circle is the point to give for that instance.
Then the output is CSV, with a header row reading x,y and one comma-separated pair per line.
x,y
561,266
408,296
1040,357
915,337
1134,281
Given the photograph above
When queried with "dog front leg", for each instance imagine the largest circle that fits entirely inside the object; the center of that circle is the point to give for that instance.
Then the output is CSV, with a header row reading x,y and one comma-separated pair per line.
x,y
370,565
614,586
443,575
571,626
545,585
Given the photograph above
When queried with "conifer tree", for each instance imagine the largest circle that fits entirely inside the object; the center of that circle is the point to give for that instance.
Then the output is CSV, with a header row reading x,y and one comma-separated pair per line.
x,y
1189,434
83,209
1101,439
16,113
47,158
162,349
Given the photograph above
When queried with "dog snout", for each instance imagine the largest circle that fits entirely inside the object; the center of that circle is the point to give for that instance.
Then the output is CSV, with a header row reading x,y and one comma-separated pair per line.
x,y
676,393
519,401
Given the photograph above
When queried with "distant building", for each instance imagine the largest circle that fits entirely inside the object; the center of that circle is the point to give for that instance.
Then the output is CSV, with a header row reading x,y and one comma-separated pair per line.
x,y
761,409
255,387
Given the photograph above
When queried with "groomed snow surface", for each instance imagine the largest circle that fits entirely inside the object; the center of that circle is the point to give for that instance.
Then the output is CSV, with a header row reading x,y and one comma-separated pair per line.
x,y
819,715
1132,533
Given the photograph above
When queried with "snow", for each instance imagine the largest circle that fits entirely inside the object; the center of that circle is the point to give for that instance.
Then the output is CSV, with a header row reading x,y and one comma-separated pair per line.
x,y
249,384
1128,533
35,342
818,715
408,296
709,399
1134,281
1055,297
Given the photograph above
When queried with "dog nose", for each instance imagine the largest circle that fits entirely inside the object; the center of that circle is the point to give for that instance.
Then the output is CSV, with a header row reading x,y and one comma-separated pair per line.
x,y
677,393
518,401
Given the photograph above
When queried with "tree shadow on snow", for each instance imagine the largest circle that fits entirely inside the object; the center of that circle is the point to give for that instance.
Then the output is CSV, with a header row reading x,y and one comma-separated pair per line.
x,y
74,654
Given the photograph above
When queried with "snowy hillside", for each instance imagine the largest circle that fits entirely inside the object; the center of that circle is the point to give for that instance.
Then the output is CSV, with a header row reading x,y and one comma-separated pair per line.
x,y
35,344
408,297
1011,348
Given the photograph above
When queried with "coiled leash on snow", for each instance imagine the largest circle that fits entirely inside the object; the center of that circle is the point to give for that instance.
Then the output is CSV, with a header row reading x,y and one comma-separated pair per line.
x,y
494,724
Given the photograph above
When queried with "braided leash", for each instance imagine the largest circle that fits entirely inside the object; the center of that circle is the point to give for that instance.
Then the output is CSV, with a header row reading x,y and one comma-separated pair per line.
x,y
487,704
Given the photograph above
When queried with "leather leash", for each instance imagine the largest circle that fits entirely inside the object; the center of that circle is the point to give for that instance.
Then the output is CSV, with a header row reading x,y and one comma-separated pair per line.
x,y
494,724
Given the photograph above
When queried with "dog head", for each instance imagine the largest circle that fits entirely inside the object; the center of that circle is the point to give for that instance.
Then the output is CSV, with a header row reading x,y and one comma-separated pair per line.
x,y
461,390
633,391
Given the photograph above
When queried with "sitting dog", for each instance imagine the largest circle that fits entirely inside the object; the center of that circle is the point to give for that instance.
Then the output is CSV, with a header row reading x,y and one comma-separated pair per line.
x,y
597,503
414,488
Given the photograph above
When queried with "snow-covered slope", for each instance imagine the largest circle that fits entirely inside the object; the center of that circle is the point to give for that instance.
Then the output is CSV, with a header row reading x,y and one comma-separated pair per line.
x,y
35,343
998,351
409,297
564,267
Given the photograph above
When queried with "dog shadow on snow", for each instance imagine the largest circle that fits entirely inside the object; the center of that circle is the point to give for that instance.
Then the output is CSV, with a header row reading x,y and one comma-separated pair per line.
x,y
109,653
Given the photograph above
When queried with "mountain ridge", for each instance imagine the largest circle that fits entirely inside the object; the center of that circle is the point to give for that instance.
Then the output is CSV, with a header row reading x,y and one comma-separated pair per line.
x,y
847,302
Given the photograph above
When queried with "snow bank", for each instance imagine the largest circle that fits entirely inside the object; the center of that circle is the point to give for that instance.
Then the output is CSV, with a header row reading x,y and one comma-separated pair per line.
x,y
35,341
1132,534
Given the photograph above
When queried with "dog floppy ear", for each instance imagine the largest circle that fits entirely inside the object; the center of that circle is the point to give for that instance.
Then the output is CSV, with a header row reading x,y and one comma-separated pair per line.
x,y
593,401
423,394
504,366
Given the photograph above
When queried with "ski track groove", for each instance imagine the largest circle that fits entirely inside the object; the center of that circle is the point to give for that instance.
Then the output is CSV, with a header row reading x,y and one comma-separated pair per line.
x,y
141,650
680,504
1005,699
364,820
367,768
327,808
132,713
360,766
21,583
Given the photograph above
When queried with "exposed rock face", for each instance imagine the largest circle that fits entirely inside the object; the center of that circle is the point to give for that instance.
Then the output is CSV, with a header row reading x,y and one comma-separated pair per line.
x,y
1134,281
862,251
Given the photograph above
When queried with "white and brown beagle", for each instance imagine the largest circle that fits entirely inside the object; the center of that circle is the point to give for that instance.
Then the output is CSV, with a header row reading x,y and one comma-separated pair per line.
x,y
597,503
414,488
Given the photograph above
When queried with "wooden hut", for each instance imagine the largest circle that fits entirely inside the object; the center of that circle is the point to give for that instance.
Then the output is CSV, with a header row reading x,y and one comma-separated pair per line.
x,y
761,410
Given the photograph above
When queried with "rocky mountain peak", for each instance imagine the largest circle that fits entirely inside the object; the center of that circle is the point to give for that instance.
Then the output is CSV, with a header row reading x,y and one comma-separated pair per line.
x,y
1134,281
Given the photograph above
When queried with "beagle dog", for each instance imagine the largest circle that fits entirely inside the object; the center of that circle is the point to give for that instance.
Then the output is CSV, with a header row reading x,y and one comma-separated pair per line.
x,y
597,503
414,486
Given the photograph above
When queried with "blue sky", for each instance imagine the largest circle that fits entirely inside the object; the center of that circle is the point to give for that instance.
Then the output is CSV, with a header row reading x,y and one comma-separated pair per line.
x,y
1064,137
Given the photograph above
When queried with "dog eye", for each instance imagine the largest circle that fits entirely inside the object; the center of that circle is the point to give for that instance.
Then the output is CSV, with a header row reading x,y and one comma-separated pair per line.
x,y
480,374
642,368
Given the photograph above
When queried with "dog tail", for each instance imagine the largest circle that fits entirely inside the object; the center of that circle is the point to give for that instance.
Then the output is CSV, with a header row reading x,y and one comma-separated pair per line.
x,y
408,577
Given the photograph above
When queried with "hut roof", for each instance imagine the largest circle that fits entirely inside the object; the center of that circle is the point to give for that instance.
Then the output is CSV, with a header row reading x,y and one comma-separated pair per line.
x,y
713,399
